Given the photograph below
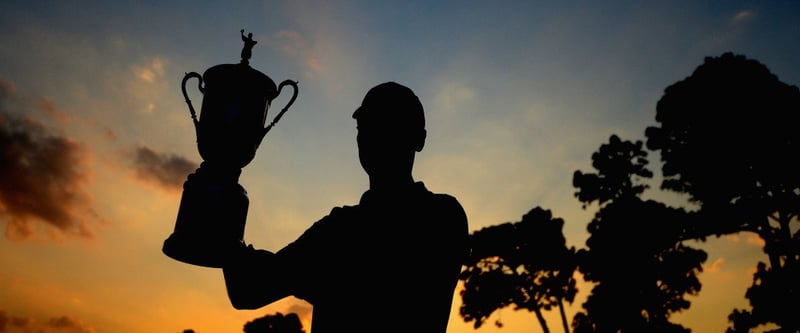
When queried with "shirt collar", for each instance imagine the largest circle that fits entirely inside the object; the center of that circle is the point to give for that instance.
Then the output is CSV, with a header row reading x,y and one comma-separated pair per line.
x,y
395,195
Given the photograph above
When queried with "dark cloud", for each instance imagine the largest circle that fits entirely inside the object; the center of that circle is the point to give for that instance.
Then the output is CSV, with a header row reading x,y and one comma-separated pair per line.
x,y
43,178
165,170
62,324
9,322
69,324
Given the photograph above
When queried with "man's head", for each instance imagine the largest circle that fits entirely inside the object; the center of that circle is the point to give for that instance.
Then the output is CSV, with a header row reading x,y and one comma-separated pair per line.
x,y
391,128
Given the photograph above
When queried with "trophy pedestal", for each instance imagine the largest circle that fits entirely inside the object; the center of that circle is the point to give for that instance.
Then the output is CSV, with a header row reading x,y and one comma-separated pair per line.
x,y
211,220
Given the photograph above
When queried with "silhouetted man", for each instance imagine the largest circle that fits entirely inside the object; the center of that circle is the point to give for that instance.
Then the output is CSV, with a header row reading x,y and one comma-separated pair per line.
x,y
390,263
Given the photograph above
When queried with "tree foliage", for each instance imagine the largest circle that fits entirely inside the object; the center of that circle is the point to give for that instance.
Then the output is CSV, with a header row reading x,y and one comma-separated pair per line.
x,y
525,264
641,271
728,137
621,172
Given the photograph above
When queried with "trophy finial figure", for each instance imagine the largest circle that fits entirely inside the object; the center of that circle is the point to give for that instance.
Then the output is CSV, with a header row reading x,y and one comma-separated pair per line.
x,y
247,50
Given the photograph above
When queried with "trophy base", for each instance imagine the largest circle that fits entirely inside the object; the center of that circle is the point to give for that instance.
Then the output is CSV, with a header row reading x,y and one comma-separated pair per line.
x,y
206,252
211,220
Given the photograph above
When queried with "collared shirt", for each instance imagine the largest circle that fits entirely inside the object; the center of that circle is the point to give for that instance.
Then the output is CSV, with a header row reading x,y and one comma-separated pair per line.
x,y
390,263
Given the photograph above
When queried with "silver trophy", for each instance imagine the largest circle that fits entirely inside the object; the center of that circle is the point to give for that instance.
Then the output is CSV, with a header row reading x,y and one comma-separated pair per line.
x,y
213,209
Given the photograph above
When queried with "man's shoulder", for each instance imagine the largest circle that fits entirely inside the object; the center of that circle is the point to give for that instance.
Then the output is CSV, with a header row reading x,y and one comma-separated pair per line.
x,y
445,200
328,224
339,211
439,197
448,208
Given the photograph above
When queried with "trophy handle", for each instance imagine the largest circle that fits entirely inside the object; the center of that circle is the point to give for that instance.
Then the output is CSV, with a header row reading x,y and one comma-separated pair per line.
x,y
293,84
186,96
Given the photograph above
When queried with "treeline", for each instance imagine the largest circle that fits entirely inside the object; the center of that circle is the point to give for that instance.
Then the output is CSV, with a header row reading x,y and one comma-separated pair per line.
x,y
271,323
729,141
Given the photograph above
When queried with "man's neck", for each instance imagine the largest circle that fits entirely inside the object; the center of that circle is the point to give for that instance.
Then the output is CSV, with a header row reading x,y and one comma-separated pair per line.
x,y
390,184
391,192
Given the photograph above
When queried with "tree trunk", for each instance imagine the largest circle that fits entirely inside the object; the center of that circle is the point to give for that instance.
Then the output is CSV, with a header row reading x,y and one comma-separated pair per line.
x,y
539,316
563,315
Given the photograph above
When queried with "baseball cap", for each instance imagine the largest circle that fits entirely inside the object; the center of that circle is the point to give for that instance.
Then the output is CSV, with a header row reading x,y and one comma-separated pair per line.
x,y
393,104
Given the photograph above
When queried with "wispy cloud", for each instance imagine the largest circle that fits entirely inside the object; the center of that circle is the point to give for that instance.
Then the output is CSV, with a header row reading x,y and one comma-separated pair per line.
x,y
293,44
743,16
150,72
44,177
167,171
147,82
47,106
453,97
715,266
755,239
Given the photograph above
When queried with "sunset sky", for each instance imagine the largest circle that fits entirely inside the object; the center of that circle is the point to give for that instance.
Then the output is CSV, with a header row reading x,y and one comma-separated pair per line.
x,y
96,139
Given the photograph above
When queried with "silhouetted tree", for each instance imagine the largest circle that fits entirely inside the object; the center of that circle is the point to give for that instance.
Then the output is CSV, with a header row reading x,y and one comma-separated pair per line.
x,y
582,324
277,323
526,264
729,138
641,270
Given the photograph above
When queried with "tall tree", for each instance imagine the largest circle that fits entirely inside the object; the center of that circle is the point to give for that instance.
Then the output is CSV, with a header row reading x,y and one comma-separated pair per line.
x,y
728,137
634,254
525,264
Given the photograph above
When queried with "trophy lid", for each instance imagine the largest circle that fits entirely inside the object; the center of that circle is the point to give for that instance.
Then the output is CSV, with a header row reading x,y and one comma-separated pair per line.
x,y
240,77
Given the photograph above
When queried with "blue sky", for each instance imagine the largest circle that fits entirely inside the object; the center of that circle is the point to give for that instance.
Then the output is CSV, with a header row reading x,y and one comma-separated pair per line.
x,y
518,95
